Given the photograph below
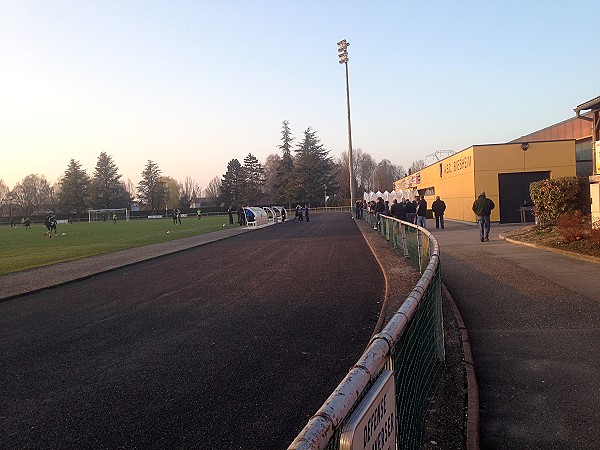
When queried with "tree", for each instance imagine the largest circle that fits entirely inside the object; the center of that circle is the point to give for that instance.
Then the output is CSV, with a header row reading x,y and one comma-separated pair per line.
x,y
254,180
172,192
313,169
231,184
131,189
284,185
74,189
365,168
151,189
416,166
213,190
271,166
33,194
187,191
343,174
3,192
107,189
385,175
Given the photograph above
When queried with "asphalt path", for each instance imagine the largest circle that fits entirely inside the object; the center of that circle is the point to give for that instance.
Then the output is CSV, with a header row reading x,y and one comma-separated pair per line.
x,y
533,318
234,344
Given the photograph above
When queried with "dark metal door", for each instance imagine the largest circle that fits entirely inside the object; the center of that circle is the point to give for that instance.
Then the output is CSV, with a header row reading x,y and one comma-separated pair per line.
x,y
514,193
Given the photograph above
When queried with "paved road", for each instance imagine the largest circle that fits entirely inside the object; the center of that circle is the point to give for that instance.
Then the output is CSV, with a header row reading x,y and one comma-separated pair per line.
x,y
534,321
233,344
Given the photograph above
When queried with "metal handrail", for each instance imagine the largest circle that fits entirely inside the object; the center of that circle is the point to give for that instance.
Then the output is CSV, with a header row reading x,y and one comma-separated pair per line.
x,y
320,429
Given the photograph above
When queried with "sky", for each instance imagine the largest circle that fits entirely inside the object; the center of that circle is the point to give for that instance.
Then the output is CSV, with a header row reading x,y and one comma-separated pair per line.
x,y
192,85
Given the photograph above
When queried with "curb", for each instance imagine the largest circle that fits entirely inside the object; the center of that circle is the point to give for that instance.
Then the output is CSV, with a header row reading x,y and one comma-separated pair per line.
x,y
386,296
473,421
588,258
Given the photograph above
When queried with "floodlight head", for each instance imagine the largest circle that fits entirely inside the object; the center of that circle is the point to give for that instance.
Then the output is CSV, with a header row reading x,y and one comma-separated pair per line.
x,y
343,45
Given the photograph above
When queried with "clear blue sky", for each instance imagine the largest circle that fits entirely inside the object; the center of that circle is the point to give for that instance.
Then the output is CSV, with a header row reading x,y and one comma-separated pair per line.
x,y
194,84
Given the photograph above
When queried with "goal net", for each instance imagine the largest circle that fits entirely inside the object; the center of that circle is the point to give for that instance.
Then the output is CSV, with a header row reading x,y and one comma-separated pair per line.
x,y
106,215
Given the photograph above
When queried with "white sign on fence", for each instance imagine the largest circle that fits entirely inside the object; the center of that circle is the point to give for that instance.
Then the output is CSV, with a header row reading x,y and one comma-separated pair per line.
x,y
372,426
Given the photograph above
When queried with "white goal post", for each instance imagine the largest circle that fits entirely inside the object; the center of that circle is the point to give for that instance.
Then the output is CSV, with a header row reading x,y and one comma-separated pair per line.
x,y
106,215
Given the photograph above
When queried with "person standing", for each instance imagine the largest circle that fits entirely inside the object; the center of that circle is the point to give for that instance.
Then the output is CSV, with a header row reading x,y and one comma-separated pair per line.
x,y
306,212
114,218
483,207
379,209
230,214
422,212
48,223
396,209
358,209
53,223
298,214
241,216
438,207
411,209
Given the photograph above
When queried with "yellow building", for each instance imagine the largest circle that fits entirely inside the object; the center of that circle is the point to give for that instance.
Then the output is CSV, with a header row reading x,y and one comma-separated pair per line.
x,y
503,171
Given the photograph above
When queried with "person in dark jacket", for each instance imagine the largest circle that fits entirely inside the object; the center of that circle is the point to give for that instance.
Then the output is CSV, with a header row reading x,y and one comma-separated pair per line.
x,y
241,216
411,209
379,209
396,209
422,212
438,207
483,207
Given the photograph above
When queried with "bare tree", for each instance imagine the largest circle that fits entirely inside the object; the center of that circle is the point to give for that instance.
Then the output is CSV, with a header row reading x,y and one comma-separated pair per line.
x,y
131,189
416,166
385,175
33,194
3,192
187,191
213,190
364,173
172,198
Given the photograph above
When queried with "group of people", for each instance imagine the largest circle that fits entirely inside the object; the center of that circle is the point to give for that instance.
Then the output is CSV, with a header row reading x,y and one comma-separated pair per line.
x,y
415,211
50,224
24,221
301,213
176,216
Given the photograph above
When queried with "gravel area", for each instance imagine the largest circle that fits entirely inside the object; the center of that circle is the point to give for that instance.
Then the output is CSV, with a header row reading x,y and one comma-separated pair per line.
x,y
447,415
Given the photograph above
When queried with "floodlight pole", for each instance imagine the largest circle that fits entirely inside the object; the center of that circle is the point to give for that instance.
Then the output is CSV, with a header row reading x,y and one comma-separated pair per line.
x,y
343,55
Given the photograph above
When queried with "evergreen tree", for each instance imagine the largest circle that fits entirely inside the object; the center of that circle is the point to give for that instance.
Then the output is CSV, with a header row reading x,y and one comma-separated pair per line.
x,y
284,185
151,189
254,180
313,169
231,184
74,188
107,189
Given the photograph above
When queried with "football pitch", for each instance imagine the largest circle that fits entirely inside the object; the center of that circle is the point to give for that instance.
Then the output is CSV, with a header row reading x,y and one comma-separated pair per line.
x,y
22,249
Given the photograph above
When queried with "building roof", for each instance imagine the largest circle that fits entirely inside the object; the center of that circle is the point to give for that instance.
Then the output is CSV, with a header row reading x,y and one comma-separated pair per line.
x,y
593,104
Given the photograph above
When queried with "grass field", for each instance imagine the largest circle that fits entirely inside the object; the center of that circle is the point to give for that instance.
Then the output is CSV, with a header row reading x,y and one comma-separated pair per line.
x,y
22,249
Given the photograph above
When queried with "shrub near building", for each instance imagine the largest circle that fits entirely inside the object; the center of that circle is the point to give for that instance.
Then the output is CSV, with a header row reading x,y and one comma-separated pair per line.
x,y
553,197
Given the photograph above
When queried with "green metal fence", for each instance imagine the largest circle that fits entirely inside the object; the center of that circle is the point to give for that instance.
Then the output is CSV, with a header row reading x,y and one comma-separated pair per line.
x,y
411,344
